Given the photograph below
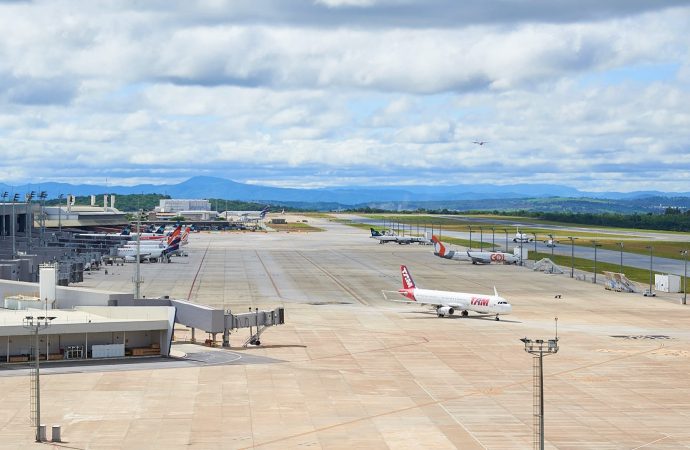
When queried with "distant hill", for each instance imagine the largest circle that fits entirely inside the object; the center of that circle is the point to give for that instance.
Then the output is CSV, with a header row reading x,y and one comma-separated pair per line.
x,y
461,197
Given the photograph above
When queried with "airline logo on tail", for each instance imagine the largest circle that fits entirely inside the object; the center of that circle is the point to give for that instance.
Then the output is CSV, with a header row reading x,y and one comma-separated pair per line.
x,y
375,233
174,234
408,283
439,248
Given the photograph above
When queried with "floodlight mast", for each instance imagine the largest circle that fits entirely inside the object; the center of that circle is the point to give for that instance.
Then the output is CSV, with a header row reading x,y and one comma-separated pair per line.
x,y
538,349
36,324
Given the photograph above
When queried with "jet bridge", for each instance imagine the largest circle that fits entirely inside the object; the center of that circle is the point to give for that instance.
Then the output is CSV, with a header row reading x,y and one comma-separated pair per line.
x,y
214,321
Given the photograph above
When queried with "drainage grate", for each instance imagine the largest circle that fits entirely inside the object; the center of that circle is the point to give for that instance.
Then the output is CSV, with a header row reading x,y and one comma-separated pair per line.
x,y
643,336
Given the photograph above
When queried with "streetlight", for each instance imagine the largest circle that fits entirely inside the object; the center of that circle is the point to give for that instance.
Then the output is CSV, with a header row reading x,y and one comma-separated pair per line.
x,y
36,324
535,245
60,197
685,277
42,196
651,265
29,220
538,348
506,232
596,244
572,255
493,239
470,227
4,198
15,199
620,244
481,239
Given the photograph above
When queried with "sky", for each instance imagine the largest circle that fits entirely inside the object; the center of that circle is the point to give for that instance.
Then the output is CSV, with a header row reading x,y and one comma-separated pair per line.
x,y
592,94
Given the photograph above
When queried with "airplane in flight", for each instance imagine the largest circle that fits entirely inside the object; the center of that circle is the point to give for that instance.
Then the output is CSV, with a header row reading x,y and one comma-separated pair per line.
x,y
390,236
474,257
480,143
447,303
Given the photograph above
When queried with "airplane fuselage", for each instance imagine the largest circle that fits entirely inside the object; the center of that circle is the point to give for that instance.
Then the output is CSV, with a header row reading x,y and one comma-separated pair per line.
x,y
461,301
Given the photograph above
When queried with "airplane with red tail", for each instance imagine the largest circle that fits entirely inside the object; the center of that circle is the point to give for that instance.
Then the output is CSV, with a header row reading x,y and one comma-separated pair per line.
x,y
447,303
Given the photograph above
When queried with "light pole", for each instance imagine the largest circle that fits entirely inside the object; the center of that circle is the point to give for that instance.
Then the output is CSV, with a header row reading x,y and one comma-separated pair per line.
x,y
685,277
470,227
60,212
493,239
42,218
15,198
4,198
506,232
29,220
36,324
538,348
596,244
535,245
481,239
620,244
651,265
572,255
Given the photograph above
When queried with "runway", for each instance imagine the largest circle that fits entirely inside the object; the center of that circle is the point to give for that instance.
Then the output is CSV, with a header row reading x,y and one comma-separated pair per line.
x,y
351,370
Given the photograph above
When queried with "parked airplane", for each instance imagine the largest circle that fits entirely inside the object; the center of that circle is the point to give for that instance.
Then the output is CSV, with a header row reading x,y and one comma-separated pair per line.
x,y
521,237
390,236
475,257
550,242
247,216
446,303
151,254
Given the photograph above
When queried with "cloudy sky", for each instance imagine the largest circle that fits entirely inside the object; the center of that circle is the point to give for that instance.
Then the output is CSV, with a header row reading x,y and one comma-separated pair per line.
x,y
593,94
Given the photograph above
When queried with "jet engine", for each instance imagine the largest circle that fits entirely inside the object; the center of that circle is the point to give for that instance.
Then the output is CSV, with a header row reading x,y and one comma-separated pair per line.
x,y
445,311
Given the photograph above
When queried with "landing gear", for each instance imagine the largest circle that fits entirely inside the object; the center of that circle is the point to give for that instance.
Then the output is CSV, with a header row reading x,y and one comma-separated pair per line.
x,y
465,314
497,317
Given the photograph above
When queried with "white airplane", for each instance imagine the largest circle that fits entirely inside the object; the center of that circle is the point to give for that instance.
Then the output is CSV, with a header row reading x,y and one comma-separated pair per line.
x,y
390,236
550,242
446,303
521,237
474,257
152,254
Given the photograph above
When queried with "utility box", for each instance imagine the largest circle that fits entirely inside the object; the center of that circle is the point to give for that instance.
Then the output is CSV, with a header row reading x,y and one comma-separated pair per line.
x,y
525,252
667,282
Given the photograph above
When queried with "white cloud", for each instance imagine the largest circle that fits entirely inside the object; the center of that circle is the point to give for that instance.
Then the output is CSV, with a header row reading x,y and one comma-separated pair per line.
x,y
321,95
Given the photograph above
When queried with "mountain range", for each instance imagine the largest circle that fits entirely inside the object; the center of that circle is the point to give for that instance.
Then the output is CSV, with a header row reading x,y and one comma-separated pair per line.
x,y
390,196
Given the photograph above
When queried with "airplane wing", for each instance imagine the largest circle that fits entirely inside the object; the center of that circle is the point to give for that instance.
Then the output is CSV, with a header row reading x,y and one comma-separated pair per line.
x,y
477,259
421,303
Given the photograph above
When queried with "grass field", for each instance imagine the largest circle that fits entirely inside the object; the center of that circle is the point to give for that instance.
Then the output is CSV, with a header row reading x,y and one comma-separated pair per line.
x,y
294,227
609,241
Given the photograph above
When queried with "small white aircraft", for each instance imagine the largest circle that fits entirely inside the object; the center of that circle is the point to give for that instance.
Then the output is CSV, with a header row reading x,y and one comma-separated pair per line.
x,y
550,242
474,257
521,237
390,236
446,303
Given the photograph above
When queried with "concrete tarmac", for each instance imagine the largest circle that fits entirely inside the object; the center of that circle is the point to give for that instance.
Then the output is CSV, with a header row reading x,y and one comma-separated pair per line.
x,y
351,370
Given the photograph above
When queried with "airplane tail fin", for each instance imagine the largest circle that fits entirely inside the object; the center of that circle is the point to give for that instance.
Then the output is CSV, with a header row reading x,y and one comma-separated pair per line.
x,y
125,231
174,234
375,232
495,291
407,281
439,248
185,236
